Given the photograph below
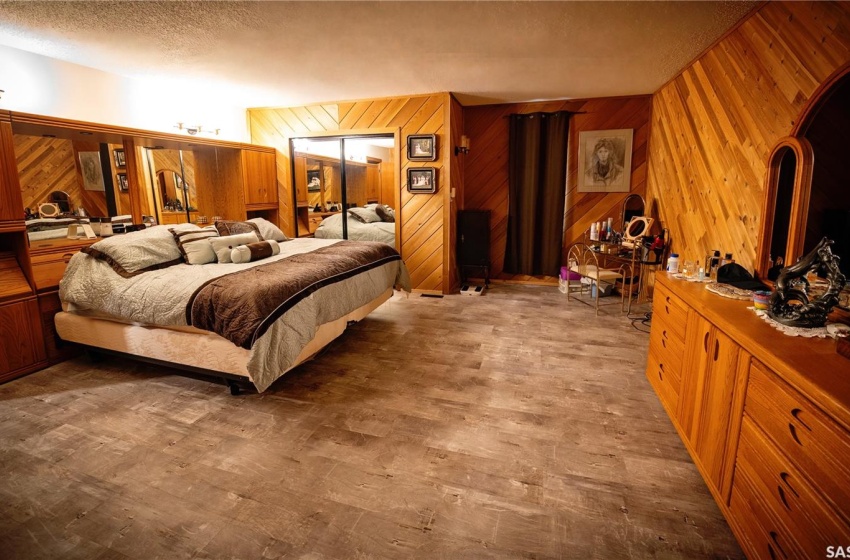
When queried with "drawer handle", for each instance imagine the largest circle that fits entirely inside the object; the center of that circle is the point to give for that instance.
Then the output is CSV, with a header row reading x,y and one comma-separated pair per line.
x,y
716,350
793,431
664,343
796,414
667,298
664,333
67,257
785,476
783,498
667,309
705,342
775,539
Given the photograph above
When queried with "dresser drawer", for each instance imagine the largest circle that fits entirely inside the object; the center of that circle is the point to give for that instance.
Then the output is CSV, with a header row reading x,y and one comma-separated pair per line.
x,y
48,269
668,345
760,535
665,379
670,309
787,494
811,440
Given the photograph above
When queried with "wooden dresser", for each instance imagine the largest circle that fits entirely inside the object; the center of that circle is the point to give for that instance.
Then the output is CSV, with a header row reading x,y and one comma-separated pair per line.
x,y
765,417
49,258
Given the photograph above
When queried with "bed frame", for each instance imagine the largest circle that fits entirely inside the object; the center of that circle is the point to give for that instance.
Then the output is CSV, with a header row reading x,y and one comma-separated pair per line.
x,y
190,349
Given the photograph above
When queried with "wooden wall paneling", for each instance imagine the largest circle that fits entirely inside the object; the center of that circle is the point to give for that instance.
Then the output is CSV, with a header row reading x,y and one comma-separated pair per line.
x,y
137,195
486,166
424,114
11,204
715,124
454,195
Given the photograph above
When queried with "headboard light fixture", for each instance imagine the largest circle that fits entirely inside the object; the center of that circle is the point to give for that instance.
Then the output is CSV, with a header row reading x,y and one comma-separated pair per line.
x,y
194,130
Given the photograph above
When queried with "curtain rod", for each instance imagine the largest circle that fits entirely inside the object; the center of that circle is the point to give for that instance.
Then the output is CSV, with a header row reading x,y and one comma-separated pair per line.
x,y
546,113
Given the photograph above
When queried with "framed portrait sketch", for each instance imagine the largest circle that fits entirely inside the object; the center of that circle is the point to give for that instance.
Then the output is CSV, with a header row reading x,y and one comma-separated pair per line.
x,y
605,160
123,184
91,171
120,161
422,147
314,180
422,179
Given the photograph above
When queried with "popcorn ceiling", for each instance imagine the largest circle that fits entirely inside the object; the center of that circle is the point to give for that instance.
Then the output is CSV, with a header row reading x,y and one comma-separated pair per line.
x,y
293,53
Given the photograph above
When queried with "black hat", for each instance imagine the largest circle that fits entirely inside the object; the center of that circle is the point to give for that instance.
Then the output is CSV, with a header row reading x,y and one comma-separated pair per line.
x,y
738,276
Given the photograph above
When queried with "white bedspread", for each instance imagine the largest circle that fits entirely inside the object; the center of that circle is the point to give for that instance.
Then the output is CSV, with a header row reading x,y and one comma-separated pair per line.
x,y
160,297
331,228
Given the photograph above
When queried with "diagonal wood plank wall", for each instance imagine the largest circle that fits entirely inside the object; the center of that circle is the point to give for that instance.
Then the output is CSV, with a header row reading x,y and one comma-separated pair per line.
x,y
486,165
424,245
49,164
715,124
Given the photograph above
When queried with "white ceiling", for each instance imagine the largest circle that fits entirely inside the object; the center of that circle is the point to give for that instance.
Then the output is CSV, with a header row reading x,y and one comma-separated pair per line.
x,y
298,53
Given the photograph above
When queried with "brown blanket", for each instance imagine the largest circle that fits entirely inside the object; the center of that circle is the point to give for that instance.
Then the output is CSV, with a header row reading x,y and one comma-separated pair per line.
x,y
241,306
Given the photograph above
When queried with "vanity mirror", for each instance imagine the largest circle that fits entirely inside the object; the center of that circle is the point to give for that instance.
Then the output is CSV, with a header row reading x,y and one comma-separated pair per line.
x,y
633,205
52,184
172,194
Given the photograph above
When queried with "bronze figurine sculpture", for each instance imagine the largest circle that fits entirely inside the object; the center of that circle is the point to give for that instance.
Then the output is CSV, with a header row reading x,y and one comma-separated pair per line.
x,y
790,303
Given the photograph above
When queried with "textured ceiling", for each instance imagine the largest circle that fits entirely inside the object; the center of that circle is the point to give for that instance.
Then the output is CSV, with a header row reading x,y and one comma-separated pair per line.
x,y
294,53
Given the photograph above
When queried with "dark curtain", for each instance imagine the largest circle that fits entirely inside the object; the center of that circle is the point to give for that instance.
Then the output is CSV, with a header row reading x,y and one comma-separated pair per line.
x,y
537,185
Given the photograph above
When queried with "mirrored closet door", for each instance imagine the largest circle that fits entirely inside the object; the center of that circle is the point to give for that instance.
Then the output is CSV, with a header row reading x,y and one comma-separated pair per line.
x,y
345,187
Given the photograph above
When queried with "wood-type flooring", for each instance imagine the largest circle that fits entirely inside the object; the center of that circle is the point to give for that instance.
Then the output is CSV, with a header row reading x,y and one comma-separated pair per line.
x,y
510,425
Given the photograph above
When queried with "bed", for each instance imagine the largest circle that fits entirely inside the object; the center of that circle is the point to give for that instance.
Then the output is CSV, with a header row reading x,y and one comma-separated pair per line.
x,y
247,322
364,224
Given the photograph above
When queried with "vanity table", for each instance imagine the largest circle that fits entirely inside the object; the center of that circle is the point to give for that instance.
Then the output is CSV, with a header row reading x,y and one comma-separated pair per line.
x,y
613,262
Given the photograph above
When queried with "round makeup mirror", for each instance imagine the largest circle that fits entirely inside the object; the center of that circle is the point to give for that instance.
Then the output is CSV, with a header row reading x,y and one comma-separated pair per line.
x,y
637,227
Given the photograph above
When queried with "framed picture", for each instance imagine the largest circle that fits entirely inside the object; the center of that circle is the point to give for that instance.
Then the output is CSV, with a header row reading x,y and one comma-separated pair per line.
x,y
123,184
422,147
422,179
314,181
119,158
91,171
605,160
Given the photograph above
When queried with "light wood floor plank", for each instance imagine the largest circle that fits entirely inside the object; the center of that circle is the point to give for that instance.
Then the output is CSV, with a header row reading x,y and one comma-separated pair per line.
x,y
510,425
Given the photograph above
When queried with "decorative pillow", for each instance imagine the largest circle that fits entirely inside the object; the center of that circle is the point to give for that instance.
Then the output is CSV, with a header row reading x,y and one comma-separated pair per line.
x,y
194,245
230,227
225,244
133,253
268,230
254,251
386,213
365,215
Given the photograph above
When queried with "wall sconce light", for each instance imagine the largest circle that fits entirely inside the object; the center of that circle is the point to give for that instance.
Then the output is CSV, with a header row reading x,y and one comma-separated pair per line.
x,y
194,130
464,145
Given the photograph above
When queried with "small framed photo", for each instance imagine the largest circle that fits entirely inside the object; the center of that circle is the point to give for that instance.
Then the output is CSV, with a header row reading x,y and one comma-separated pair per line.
x,y
119,158
422,147
314,181
422,179
123,184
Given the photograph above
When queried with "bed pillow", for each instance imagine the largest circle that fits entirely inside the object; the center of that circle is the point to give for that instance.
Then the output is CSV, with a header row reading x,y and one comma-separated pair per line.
x,y
254,251
386,213
364,215
133,253
194,245
230,227
225,244
268,230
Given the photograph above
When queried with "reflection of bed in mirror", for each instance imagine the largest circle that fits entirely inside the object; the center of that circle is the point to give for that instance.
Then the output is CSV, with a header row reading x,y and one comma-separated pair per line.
x,y
373,229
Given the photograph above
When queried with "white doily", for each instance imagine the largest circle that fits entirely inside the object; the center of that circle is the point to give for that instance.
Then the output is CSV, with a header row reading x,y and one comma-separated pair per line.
x,y
830,330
